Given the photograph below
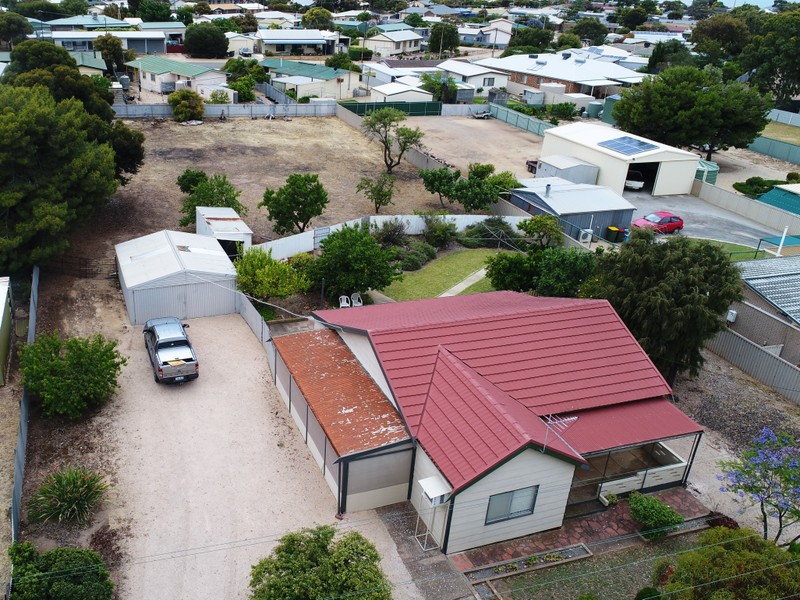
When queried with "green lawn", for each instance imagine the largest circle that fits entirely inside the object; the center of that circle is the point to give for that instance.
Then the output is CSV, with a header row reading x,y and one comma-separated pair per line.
x,y
484,285
783,132
738,252
439,275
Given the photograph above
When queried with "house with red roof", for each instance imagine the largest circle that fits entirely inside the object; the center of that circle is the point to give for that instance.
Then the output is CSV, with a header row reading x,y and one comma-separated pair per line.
x,y
497,415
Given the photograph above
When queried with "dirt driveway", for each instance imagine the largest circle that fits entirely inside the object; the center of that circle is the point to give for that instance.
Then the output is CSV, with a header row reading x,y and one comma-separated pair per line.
x,y
464,140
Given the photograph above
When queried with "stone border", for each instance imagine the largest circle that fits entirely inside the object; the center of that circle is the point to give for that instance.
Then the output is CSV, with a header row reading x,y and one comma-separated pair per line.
x,y
517,566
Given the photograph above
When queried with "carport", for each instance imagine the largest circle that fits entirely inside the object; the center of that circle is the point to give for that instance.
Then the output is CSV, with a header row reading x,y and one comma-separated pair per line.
x,y
177,274
666,170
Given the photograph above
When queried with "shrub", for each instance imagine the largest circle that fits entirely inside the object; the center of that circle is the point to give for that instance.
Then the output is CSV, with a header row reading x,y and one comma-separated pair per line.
x,y
656,517
70,495
390,233
59,574
563,110
360,53
190,178
412,261
186,105
662,571
793,176
439,231
648,593
71,376
219,97
612,499
260,275
303,265
426,250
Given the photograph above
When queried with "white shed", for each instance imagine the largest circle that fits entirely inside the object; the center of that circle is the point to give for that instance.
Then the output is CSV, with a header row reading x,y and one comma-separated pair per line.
x,y
567,167
398,92
175,274
224,224
666,170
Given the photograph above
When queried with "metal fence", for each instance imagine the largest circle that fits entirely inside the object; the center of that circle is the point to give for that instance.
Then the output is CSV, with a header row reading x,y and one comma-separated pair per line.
x,y
257,325
782,116
215,111
24,411
274,94
757,362
769,216
412,109
512,117
776,149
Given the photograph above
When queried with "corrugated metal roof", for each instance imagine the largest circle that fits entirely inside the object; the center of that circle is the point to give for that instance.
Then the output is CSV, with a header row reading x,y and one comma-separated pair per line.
x,y
87,21
627,424
159,66
152,258
777,280
567,198
353,412
785,199
552,355
161,25
89,59
223,219
302,69
469,425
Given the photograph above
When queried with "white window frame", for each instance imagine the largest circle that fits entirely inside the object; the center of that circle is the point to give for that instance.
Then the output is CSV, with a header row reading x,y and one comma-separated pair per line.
x,y
488,81
511,505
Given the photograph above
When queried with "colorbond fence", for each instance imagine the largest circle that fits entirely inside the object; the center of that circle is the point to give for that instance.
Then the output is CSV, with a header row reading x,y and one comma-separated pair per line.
x,y
776,149
512,117
769,216
214,111
782,116
412,109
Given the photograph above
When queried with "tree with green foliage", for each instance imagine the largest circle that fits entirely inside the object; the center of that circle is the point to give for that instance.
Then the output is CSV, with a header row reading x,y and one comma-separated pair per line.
x,y
219,97
592,30
246,88
317,18
440,85
440,181
685,106
543,231
13,28
752,16
128,146
729,564
239,67
69,495
721,33
54,180
364,16
767,474
186,105
201,8
669,54
674,9
36,54
568,40
384,126
312,564
205,40
185,14
110,47
536,37
73,376
773,57
415,20
340,60
443,38
672,296
227,25
154,11
247,22
379,191
59,574
216,190
510,271
68,82
634,17
699,9
47,10
293,205
261,276
555,272
656,517
75,7
353,261
190,178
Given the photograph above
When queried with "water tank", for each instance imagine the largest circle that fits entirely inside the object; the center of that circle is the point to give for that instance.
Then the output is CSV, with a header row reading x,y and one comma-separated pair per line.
x,y
593,109
125,81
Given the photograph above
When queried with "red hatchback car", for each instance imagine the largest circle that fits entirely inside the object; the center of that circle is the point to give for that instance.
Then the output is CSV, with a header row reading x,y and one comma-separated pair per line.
x,y
661,222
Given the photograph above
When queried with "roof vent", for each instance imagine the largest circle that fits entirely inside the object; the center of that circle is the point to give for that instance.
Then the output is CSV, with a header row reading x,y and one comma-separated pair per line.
x,y
580,60
533,56
541,61
566,55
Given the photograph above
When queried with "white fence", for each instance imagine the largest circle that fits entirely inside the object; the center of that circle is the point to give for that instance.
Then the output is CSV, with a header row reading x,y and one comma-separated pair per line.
x,y
767,215
757,362
214,111
415,225
781,116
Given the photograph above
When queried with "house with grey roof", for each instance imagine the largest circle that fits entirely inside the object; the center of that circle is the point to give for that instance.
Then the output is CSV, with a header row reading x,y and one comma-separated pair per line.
x,y
92,22
141,42
393,43
164,76
301,42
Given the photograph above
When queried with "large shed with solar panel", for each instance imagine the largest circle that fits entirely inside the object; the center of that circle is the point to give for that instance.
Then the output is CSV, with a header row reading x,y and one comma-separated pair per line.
x,y
621,156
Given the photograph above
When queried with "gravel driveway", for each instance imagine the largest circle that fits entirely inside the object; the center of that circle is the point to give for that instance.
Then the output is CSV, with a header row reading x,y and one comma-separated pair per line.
x,y
211,473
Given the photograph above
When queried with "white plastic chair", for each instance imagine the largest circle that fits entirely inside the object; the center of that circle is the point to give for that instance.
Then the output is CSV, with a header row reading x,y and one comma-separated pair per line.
x,y
344,302
356,298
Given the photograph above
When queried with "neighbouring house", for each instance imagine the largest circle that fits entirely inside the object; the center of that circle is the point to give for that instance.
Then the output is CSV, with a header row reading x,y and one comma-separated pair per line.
x,y
267,18
241,42
141,42
301,41
666,170
175,274
393,43
584,210
164,76
496,414
573,70
311,78
388,71
173,30
89,63
498,33
400,92
769,313
91,22
477,76
434,10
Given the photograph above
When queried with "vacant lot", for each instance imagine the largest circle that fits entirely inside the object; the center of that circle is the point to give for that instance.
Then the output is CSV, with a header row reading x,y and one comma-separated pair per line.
x,y
783,132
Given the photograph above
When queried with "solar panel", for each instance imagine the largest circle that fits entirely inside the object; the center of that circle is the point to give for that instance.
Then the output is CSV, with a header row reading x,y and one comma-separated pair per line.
x,y
627,145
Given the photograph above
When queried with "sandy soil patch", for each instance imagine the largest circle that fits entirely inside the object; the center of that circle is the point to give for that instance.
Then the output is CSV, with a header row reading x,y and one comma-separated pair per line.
x,y
738,164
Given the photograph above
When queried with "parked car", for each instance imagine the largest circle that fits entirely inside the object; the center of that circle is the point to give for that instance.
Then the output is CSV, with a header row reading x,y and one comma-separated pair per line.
x,y
482,115
170,351
661,222
245,52
634,180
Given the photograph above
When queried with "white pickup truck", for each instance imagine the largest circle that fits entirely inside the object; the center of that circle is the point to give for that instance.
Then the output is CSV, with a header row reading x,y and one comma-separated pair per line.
x,y
634,180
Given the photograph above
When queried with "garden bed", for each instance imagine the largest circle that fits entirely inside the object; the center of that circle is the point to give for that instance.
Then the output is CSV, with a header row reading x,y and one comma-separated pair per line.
x,y
526,564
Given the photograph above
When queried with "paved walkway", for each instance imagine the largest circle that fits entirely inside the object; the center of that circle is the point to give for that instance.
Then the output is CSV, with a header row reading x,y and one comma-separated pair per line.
x,y
601,532
462,285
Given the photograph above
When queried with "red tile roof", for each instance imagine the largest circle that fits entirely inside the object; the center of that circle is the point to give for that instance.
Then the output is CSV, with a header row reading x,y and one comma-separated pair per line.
x,y
349,406
469,425
552,355
626,425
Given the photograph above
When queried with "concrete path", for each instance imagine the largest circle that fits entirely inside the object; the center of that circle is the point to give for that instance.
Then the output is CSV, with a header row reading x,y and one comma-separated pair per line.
x,y
461,286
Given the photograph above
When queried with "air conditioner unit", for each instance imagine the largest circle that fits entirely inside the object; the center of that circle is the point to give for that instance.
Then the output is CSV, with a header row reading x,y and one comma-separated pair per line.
x,y
585,236
731,316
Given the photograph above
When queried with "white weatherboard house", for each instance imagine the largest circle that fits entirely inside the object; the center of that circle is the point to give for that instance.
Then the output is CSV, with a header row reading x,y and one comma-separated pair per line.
x,y
164,76
392,43
175,274
666,170
492,413
479,77
399,92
